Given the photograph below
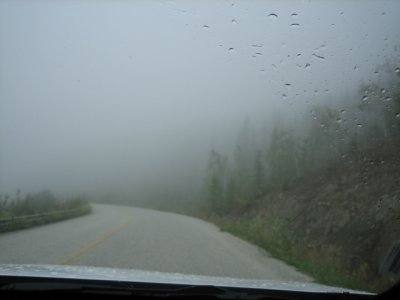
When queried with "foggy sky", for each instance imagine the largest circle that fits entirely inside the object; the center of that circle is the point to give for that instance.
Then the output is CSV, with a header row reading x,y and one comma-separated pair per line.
x,y
118,93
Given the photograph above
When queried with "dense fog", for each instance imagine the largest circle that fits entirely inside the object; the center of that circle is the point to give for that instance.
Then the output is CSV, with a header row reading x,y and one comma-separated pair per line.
x,y
119,100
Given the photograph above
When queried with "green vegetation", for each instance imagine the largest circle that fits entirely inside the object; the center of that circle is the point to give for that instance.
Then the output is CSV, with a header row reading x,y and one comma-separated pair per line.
x,y
321,174
282,243
38,209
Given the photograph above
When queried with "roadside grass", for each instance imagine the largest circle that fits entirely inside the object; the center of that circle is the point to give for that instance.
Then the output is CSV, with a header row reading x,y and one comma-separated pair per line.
x,y
281,243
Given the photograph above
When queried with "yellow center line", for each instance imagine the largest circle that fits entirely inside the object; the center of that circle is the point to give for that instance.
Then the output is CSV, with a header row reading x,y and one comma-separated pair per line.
x,y
84,250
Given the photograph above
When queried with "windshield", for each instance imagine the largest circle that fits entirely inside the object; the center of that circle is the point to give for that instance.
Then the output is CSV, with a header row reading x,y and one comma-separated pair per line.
x,y
239,139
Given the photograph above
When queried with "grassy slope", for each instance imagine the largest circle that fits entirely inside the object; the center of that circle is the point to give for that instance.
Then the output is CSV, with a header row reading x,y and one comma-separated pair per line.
x,y
336,225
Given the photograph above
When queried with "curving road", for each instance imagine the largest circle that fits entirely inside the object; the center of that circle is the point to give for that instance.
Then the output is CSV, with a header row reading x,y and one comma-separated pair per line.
x,y
127,237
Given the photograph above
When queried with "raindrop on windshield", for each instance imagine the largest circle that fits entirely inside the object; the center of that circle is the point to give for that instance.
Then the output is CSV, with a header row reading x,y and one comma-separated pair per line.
x,y
206,27
383,91
295,25
359,125
234,21
307,66
294,15
231,49
365,98
273,16
397,70
398,115
318,56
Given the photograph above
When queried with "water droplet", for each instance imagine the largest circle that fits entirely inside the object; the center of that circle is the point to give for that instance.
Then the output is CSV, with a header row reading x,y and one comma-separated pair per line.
x,y
397,70
273,16
288,84
376,73
234,21
231,49
388,99
206,27
307,66
359,125
259,53
342,13
339,120
298,54
294,15
284,96
257,45
383,13
295,25
355,68
397,115
318,56
342,111
383,91
364,98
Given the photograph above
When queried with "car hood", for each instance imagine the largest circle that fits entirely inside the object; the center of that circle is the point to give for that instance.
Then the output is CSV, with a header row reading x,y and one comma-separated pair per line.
x,y
112,274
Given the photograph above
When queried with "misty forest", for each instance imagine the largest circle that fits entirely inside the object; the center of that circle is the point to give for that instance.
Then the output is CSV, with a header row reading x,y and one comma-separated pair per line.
x,y
286,134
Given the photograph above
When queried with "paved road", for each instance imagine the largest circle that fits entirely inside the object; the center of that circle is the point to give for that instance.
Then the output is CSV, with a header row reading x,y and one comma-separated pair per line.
x,y
126,237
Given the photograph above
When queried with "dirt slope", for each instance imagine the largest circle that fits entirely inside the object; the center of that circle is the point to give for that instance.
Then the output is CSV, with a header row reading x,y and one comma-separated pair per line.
x,y
349,215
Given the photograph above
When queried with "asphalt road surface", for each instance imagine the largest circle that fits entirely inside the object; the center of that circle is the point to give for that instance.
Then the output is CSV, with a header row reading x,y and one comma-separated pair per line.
x,y
134,238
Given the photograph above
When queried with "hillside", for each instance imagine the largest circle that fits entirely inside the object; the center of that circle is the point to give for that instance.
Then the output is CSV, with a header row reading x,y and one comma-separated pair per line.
x,y
347,217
